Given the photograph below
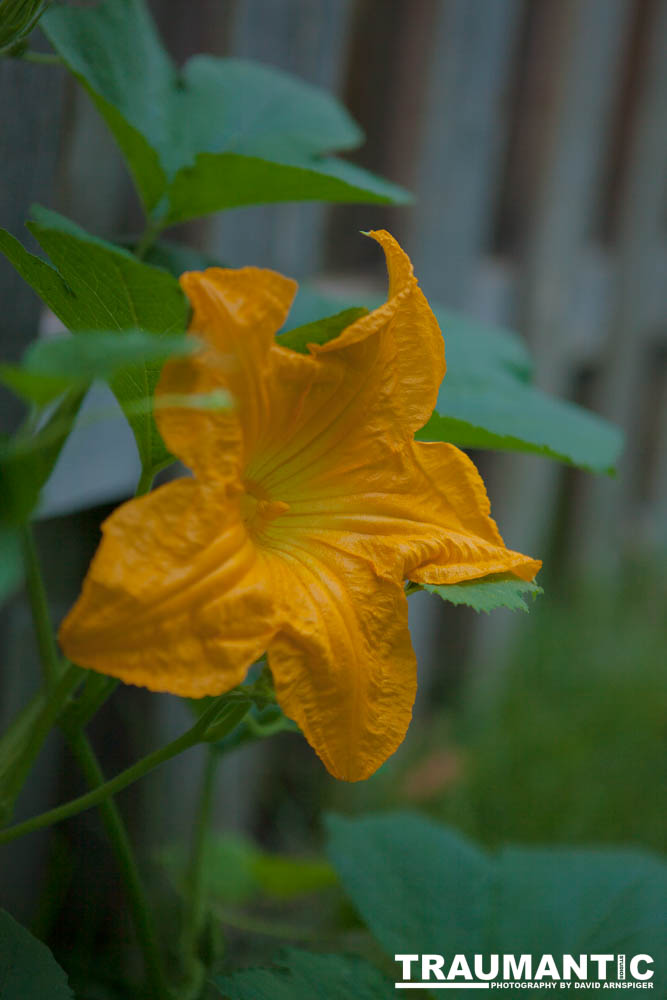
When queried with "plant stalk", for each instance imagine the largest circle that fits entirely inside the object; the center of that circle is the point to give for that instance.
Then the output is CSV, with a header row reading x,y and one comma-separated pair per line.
x,y
196,907
124,854
39,607
122,780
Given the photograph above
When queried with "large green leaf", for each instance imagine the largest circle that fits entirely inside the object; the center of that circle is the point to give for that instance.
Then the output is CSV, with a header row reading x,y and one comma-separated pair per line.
x,y
486,399
28,970
95,285
504,414
501,590
217,134
301,975
422,888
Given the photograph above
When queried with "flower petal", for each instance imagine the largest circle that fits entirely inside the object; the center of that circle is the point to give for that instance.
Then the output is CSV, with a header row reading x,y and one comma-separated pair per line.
x,y
378,380
176,598
420,513
236,314
342,663
410,343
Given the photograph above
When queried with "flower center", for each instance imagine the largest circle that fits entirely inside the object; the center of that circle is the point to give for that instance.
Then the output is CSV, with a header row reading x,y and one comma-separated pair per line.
x,y
257,508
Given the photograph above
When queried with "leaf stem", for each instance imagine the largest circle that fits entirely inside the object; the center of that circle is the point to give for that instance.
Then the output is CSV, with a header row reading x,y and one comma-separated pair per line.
x,y
122,780
145,482
195,911
122,848
46,644
41,714
43,58
148,238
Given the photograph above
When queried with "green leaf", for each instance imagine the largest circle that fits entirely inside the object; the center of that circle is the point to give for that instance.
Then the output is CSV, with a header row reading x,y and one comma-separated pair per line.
x,y
11,564
27,459
301,975
28,970
51,366
95,285
486,399
320,331
501,590
238,871
422,888
217,134
503,414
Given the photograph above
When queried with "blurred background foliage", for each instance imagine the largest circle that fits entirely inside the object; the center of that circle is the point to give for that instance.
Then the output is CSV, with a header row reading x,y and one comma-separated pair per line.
x,y
532,133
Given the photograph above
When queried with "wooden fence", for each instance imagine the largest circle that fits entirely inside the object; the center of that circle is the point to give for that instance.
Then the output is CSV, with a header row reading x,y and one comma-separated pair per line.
x,y
533,133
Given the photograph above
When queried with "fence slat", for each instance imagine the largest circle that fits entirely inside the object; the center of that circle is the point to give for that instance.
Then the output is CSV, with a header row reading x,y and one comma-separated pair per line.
x,y
609,512
462,137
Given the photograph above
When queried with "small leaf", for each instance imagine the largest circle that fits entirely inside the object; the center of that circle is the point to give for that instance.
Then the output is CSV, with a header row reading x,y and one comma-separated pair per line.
x,y
238,871
27,460
320,331
51,366
28,970
217,134
95,285
301,975
501,590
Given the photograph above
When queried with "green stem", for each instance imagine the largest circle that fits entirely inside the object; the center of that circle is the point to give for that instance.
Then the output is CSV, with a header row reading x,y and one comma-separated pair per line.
x,y
41,617
145,482
122,848
194,917
150,234
44,58
24,739
243,922
122,780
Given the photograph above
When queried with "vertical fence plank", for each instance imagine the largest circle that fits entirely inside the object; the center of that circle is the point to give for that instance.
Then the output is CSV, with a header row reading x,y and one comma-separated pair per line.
x,y
462,137
572,161
609,511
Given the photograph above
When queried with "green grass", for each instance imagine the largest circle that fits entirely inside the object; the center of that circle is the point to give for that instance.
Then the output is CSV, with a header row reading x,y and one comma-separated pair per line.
x,y
572,748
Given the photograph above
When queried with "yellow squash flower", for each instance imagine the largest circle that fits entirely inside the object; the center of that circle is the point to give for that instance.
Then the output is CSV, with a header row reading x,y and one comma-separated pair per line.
x,y
309,507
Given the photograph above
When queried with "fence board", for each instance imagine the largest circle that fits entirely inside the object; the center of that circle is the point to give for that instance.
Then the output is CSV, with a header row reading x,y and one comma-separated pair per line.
x,y
462,138
609,510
